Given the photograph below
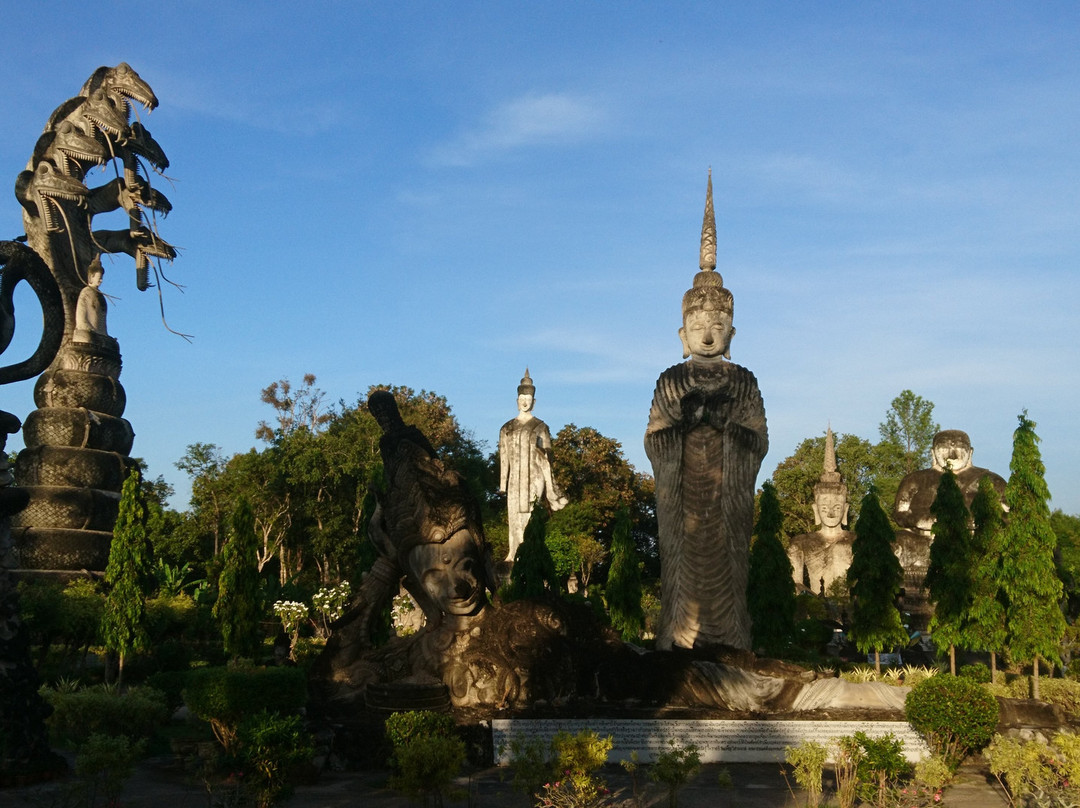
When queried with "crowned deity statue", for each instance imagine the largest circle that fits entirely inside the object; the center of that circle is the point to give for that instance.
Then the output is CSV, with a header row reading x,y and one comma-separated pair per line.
x,y
824,556
917,491
706,439
525,465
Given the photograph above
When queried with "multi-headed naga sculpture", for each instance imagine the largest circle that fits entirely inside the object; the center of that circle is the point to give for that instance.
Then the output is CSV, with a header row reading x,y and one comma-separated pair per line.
x,y
77,442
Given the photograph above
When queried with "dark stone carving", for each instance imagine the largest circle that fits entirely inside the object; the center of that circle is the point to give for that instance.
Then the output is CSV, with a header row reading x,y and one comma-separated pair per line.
x,y
706,439
918,490
77,443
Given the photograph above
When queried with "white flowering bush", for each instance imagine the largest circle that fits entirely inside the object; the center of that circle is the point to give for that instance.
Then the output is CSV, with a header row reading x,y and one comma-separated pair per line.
x,y
330,603
402,617
291,613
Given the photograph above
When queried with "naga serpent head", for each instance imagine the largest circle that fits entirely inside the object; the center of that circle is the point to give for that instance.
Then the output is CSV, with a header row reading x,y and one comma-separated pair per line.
x,y
123,85
101,114
42,191
71,151
138,140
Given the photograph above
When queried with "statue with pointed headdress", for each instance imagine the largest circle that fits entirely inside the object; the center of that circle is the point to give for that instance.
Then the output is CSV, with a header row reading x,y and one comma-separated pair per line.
x,y
823,556
525,465
706,439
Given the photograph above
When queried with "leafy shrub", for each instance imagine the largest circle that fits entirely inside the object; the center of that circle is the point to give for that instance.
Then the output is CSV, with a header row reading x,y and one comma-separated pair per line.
x,y
428,764
954,715
530,760
1033,769
401,728
976,672
807,761
271,749
674,766
860,674
882,761
105,762
223,696
847,757
913,674
77,715
933,772
427,754
576,759
171,686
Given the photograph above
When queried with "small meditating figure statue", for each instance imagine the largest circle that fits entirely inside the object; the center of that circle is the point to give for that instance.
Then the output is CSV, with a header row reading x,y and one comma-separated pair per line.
x,y
706,438
525,465
91,309
917,491
825,555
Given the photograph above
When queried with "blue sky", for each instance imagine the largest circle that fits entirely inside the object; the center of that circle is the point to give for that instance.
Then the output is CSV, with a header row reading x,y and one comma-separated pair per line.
x,y
439,194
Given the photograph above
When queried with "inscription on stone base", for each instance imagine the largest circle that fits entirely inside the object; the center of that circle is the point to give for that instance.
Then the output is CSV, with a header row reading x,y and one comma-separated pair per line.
x,y
717,740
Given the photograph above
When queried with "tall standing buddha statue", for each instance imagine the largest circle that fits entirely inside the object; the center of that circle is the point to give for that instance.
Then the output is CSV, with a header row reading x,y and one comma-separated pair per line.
x,y
706,439
525,465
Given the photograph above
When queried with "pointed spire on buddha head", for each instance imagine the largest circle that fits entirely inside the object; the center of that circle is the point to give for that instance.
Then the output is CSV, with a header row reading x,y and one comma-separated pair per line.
x,y
830,491
526,394
707,299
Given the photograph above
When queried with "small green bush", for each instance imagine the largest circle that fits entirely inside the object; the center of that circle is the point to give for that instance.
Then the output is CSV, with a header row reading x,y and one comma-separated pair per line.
x,y
136,713
956,716
976,672
105,763
428,764
401,728
427,753
674,767
272,747
807,761
224,696
530,760
576,759
1031,768
881,763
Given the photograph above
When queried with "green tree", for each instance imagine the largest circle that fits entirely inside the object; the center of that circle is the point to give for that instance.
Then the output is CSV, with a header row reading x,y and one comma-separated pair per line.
x,y
985,629
909,425
861,463
239,604
571,539
875,577
948,576
624,581
770,591
1029,579
127,575
1067,529
204,464
533,573
591,469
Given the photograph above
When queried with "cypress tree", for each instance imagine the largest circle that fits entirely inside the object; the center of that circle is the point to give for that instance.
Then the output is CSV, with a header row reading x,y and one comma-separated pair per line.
x,y
985,629
534,570
948,577
875,578
123,622
239,607
770,590
624,581
1029,579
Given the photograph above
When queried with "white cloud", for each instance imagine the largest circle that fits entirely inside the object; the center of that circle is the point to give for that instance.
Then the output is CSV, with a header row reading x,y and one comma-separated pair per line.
x,y
532,120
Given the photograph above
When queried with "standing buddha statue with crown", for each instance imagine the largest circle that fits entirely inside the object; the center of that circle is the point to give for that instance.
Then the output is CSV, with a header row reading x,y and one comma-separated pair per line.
x,y
706,439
